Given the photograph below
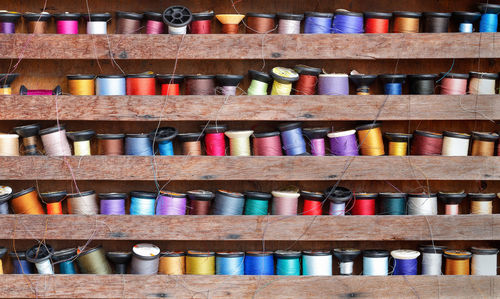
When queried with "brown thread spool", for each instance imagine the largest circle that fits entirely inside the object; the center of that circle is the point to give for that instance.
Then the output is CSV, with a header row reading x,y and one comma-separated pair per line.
x,y
110,144
483,144
200,201
29,133
436,22
128,22
230,22
260,23
406,22
172,263
426,143
191,143
26,202
200,85
308,79
37,22
83,203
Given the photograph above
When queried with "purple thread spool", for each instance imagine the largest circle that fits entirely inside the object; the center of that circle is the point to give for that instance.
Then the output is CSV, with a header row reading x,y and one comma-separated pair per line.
x,y
344,143
171,203
293,141
112,203
229,83
316,136
338,196
333,84
347,22
8,21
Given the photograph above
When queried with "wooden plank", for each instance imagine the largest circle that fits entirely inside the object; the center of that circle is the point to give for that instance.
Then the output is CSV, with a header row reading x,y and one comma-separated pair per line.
x,y
252,46
299,168
318,107
194,286
251,228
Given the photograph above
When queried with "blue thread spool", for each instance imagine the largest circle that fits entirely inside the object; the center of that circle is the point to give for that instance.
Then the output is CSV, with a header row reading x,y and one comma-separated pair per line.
x,y
259,263
405,262
392,203
317,263
142,203
229,263
293,141
338,196
318,22
287,262
489,19
466,20
375,262
164,136
65,259
21,265
347,22
393,84
228,203
111,85
138,145
257,203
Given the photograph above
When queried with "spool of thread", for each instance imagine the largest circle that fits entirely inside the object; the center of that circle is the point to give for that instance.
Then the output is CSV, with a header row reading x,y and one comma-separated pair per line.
x,y
65,259
9,145
214,140
318,22
3,251
81,141
347,22
466,20
163,137
308,79
259,84
128,22
289,23
316,138
370,140
377,22
333,84
313,202
375,262
138,145
283,80
145,259
392,203
436,22
83,203
457,262
317,263
37,22
112,203
451,201
53,201
393,83
67,23
405,262
230,22
346,259
489,19
267,144
97,23
81,85
29,134
23,90
432,257
285,202
398,143
455,144
93,261
454,84
482,83
239,142
422,204
202,23
338,196
5,196
40,255
172,263
484,261
21,265
203,85
343,143
229,263
422,84
259,263
481,203
287,262
200,201
26,202
362,82
191,143
142,203
406,22
55,142
364,204
177,18
170,84
171,203
228,203
200,263
141,84
8,21
110,144
257,203
6,80
229,83
426,143
154,22
293,141
111,85
260,23
120,259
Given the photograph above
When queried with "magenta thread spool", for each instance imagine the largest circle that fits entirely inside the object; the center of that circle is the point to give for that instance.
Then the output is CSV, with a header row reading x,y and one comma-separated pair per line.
x,y
154,22
112,203
215,141
39,92
343,143
333,84
67,23
316,139
338,197
8,21
171,203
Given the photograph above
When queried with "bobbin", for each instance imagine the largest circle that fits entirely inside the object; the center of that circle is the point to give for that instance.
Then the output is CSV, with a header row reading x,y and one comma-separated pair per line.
x,y
200,195
362,82
177,18
169,78
120,259
24,91
228,21
229,80
82,77
53,197
213,129
338,194
428,16
364,203
250,21
29,133
97,17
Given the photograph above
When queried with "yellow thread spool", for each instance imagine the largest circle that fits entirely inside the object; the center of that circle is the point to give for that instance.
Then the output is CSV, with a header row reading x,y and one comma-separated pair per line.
x,y
200,263
398,143
481,203
483,144
81,85
172,263
9,145
370,140
81,142
82,148
239,142
457,262
6,90
283,79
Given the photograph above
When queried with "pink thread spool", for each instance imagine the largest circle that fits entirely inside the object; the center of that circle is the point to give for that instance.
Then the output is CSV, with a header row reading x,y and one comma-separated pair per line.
x,y
154,22
67,23
55,142
39,92
454,84
451,202
267,144
316,139
285,202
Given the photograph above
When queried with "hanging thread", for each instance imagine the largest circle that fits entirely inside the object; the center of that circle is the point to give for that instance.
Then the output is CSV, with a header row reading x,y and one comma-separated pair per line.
x,y
172,263
482,83
422,84
111,85
200,263
112,203
392,203
283,79
285,202
154,22
293,141
67,23
318,22
347,22
9,144
313,203
141,84
451,201
37,22
83,203
455,144
202,23
138,145
484,261
287,262
257,203
370,140
481,203
317,263
110,144
128,22
289,23
422,204
346,259
338,196
145,259
406,22
260,23
200,85
364,204
142,203
405,262
267,144
200,201
432,257
214,140
228,203
426,143
55,142
93,261
259,263
26,202
454,84
343,143
375,262
259,84
120,259
377,22
457,262
436,22
333,84
97,23
171,203
229,263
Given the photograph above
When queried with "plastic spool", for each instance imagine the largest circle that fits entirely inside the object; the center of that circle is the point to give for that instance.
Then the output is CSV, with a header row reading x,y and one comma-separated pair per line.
x,y
141,84
37,22
398,143
65,259
142,203
346,258
257,203
293,141
481,203
426,143
111,85
112,203
29,134
405,262
82,85
455,144
453,83
40,256
229,263
229,83
172,263
317,263
393,83
81,141
6,80
97,23
457,262
432,259
422,204
67,23
202,23
177,18
466,20
23,90
451,201
145,259
120,259
422,83
436,22
285,202
264,20
362,83
53,201
171,203
21,265
93,261
377,22
239,142
483,143
110,144
482,83
411,25
55,142
200,201
77,205
228,203
154,22
26,202
317,22
484,261
343,143
259,84
289,23
200,263
489,19
170,84
392,203
364,203
370,139
163,137
375,262
313,202
316,139
9,145
230,22
283,79
287,262
338,197
333,84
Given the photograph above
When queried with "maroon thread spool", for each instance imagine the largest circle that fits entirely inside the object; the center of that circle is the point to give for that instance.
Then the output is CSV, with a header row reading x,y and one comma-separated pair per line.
x,y
364,204
201,23
200,201
426,143
199,85
128,22
260,23
110,144
267,144
154,22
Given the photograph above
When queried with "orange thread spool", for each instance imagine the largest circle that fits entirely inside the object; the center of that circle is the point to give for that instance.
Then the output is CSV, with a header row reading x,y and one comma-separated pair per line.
x,y
230,28
170,84
172,263
406,22
370,140
141,85
457,262
26,202
260,23
483,144
53,201
54,208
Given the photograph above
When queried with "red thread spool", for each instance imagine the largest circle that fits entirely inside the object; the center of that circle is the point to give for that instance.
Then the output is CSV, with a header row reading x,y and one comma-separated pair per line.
x,y
170,84
215,141
53,201
202,23
267,144
141,85
426,143
308,80
364,204
313,203
377,22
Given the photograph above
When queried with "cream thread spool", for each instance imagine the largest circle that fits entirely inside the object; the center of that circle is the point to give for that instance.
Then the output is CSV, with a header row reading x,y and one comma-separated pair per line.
x,y
55,142
83,203
481,203
482,83
9,145
239,142
455,144
81,142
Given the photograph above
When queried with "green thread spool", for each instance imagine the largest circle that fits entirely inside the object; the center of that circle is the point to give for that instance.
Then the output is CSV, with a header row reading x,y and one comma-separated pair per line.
x,y
392,203
94,261
259,84
257,203
287,262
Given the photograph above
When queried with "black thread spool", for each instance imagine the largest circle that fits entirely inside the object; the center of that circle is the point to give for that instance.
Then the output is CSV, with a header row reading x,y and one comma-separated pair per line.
x,y
120,260
436,22
423,84
362,83
5,196
451,201
25,91
128,22
177,18
346,257
393,83
228,83
29,134
466,20
200,85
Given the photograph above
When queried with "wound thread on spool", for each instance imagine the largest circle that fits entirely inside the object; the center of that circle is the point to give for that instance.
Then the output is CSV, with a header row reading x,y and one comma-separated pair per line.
x,y
163,137
230,22
171,203
200,201
316,138
29,134
370,140
260,23
436,22
37,22
343,143
483,143
141,84
289,23
112,203
259,84
317,263
8,20
481,203
177,18
405,262
484,261
170,84
67,23
120,259
239,142
455,144
110,144
489,17
6,80
393,83
200,263
142,203
432,259
422,204
457,262
93,261
392,203
482,83
308,79
466,20
97,23
191,143
128,22
398,143
346,259
333,84
362,82
81,85
214,140
154,22
65,259
41,255
257,203
285,202
375,262
426,143
229,83
228,203
111,85
293,141
406,22
145,259
26,202
5,196
55,142
453,84
83,203
259,263
9,145
313,203
364,204
138,145
283,80
23,90
422,84
451,201
53,201
202,23
347,22
377,22
21,265
229,263
81,141
199,85
338,197
287,262
267,144
318,22
172,263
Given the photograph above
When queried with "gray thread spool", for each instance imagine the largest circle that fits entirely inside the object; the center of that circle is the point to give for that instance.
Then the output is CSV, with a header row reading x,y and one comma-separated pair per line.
x,y
145,259
228,203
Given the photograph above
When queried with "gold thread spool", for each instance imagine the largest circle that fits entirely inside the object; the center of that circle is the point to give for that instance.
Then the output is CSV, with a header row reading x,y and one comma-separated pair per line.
x,y
172,263
398,143
406,25
283,80
6,90
94,261
370,140
457,262
481,203
37,27
200,263
81,85
239,142
26,202
483,144
9,145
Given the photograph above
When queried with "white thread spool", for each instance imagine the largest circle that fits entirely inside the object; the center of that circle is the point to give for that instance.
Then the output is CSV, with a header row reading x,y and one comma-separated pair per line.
x,y
484,261
375,262
239,142
422,204
432,259
177,30
482,83
455,144
55,142
145,259
97,27
110,85
318,263
40,256
9,145
289,23
346,258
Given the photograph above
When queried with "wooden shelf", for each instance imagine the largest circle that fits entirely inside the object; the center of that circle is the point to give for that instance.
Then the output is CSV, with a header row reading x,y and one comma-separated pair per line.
x,y
180,108
252,46
251,228
299,168
194,286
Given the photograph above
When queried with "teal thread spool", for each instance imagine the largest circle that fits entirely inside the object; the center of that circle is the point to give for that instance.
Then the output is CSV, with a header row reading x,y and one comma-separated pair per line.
x,y
287,262
65,259
257,203
392,203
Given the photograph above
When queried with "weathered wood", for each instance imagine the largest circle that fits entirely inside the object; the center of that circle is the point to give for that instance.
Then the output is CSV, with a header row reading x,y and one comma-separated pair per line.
x,y
251,228
181,108
199,286
251,46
